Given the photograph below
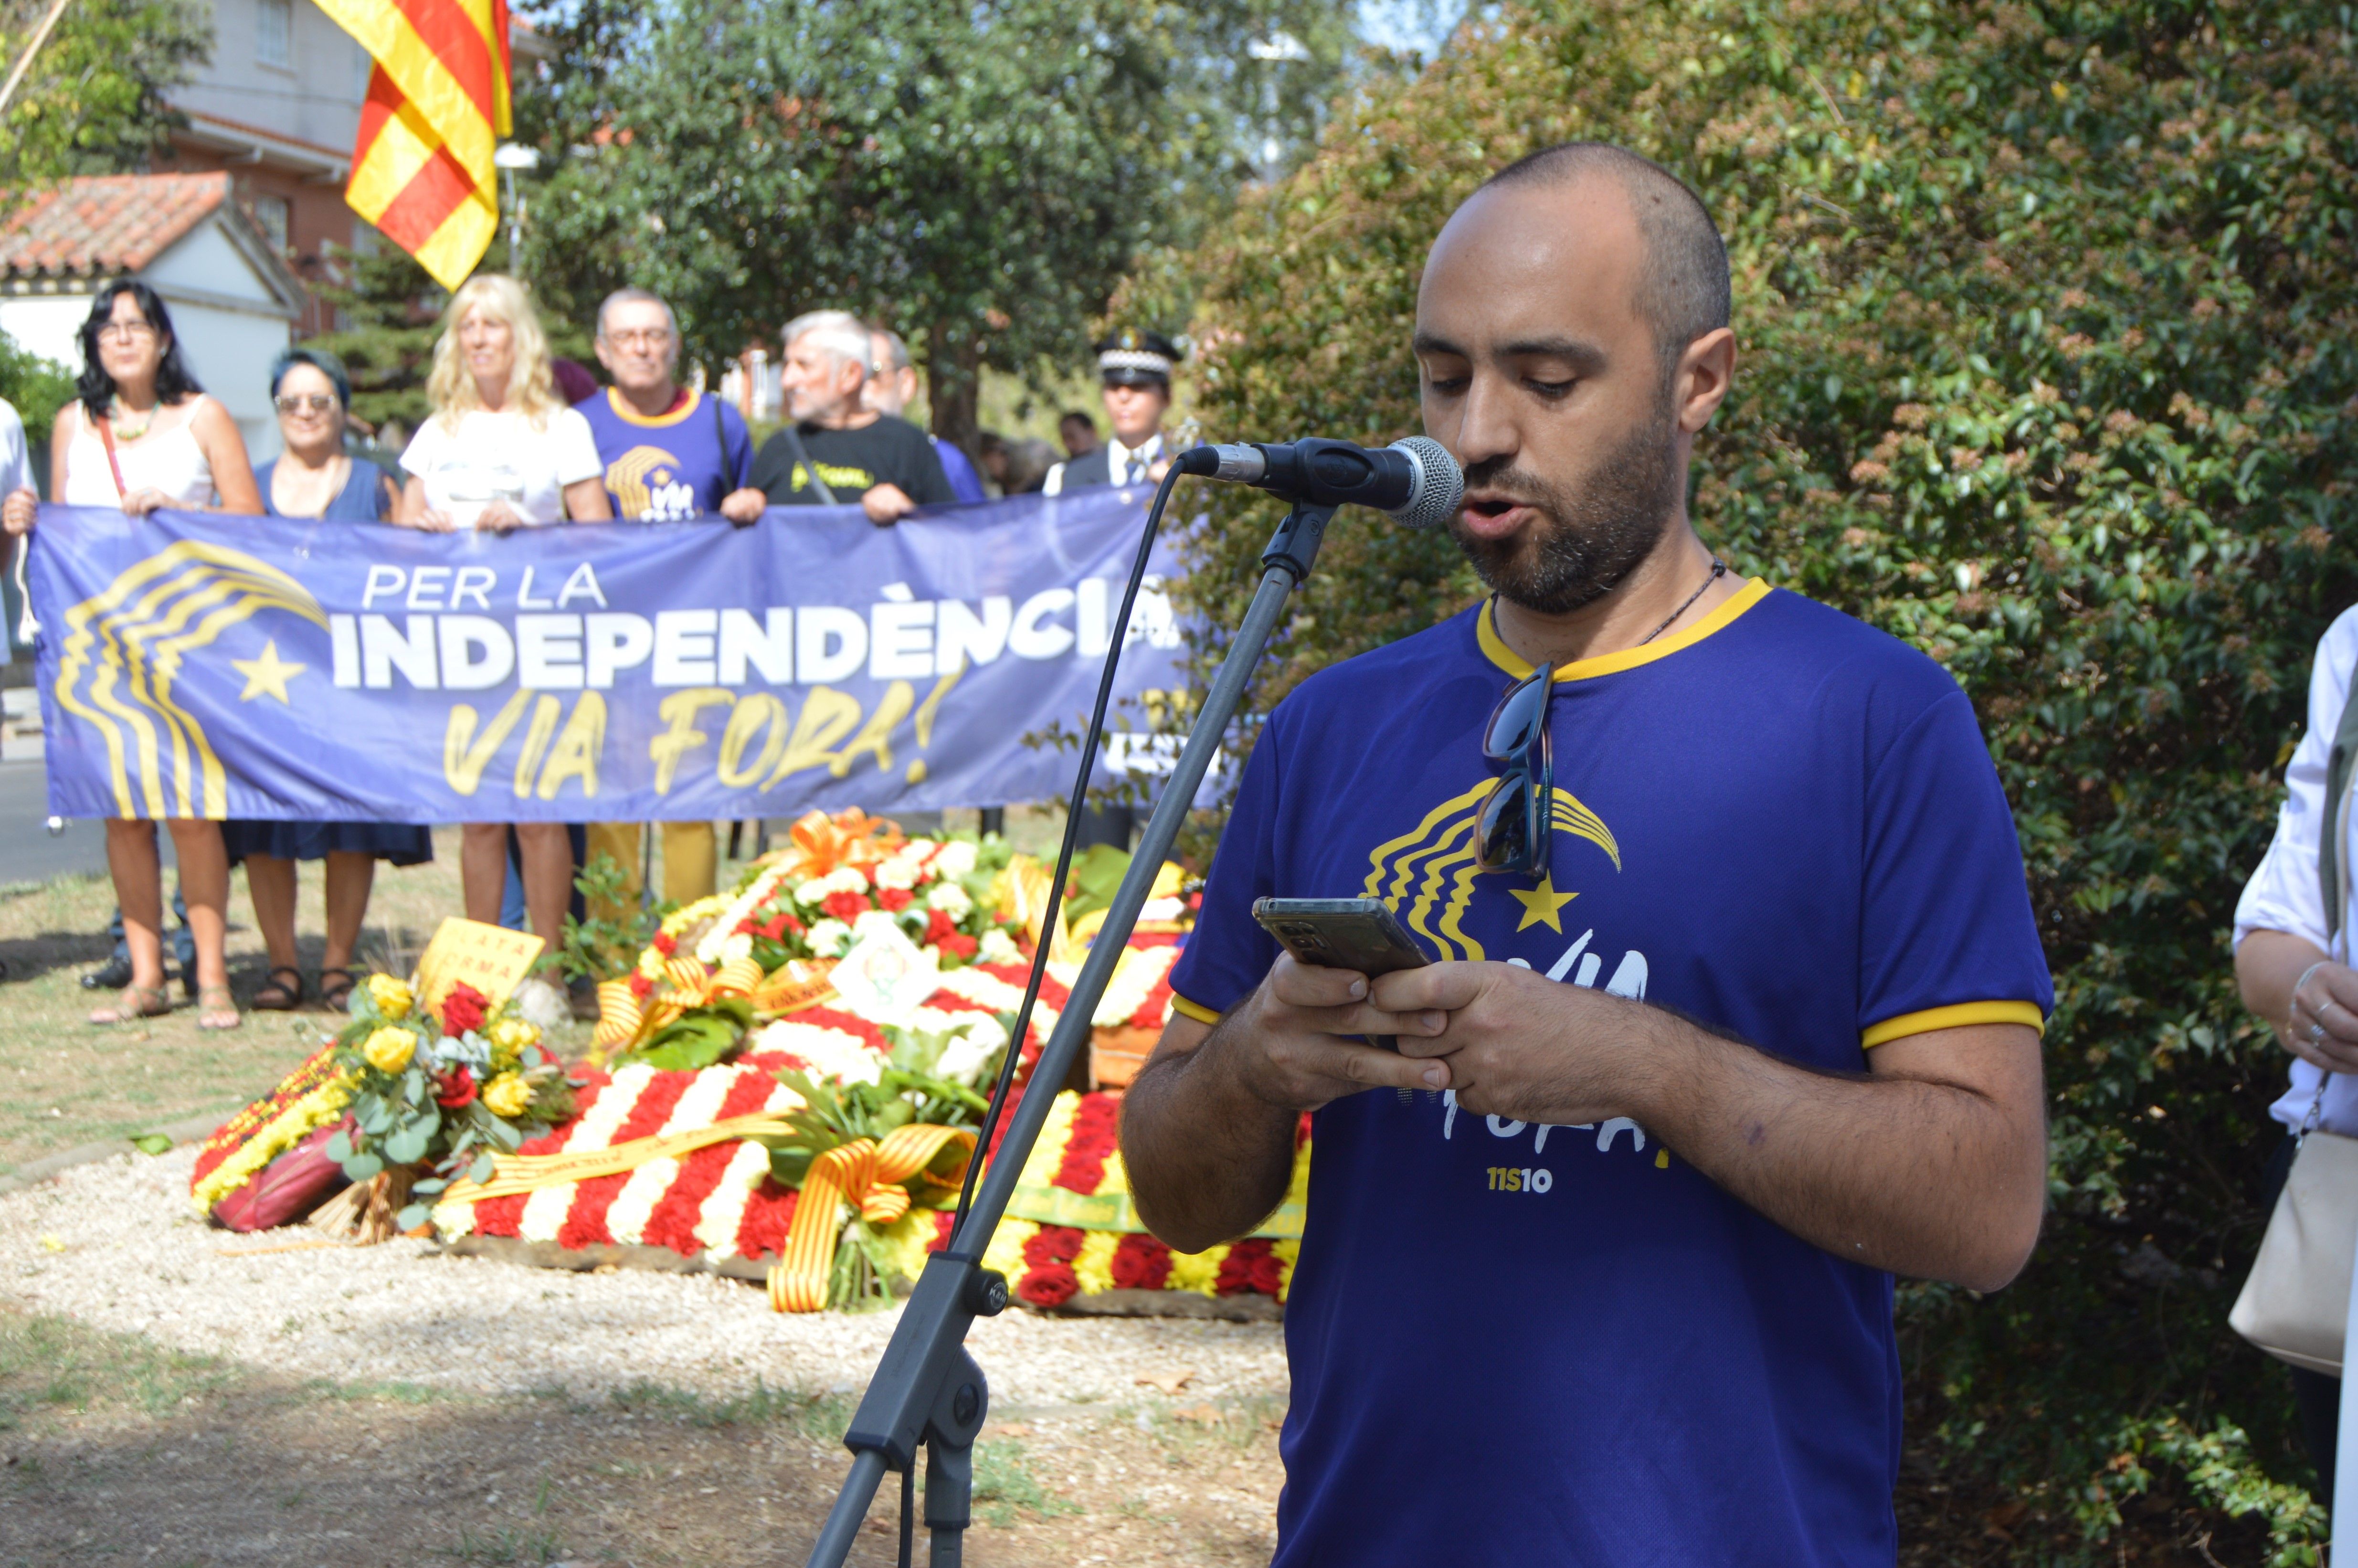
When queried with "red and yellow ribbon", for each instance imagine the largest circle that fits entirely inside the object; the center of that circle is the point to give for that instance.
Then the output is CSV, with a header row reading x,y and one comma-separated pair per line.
x,y
513,1174
869,1176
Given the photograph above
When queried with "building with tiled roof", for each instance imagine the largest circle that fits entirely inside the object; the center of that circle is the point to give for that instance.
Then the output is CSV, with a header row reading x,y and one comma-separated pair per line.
x,y
233,299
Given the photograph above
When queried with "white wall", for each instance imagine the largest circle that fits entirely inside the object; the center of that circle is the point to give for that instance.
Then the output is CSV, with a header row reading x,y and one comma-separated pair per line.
x,y
315,97
47,324
230,328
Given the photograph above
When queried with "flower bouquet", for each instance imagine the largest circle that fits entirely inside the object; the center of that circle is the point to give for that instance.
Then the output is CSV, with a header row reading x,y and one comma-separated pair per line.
x,y
716,966
434,1094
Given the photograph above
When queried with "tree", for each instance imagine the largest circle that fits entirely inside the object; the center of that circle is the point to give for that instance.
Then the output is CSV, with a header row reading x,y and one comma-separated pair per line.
x,y
93,100
2047,319
978,176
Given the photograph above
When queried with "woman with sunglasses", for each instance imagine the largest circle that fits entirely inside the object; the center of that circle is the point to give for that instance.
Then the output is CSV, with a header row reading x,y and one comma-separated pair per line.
x,y
143,436
315,477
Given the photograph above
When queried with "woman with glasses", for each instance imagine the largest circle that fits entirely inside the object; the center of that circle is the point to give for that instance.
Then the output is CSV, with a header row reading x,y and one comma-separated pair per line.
x,y
502,451
314,477
143,436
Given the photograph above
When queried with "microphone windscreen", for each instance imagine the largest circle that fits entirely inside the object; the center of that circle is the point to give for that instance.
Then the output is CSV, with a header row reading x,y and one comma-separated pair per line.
x,y
1441,486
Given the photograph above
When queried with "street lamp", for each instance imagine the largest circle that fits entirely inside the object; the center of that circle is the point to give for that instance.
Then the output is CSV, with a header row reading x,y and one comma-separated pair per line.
x,y
508,157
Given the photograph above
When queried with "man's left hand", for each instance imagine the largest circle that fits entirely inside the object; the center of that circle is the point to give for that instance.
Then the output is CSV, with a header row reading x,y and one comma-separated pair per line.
x,y
886,503
744,507
1518,1045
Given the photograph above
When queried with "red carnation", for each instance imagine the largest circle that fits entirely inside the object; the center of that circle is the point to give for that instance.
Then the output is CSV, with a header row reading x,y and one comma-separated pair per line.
x,y
454,1090
641,985
664,943
957,945
746,927
463,1009
1250,1268
1049,1286
868,871
847,906
938,924
895,899
1053,1244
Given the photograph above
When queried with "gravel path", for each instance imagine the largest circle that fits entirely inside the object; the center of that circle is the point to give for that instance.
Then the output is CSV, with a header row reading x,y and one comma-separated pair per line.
x,y
113,1244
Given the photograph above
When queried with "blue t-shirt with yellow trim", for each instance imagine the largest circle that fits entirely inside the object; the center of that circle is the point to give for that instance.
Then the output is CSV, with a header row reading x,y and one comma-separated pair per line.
x,y
1563,1345
676,465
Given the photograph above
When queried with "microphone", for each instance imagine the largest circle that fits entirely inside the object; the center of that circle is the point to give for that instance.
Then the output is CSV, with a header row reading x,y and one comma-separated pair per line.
x,y
1415,482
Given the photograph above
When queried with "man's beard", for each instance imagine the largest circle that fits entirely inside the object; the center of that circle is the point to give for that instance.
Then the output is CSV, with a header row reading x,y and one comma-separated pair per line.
x,y
1589,541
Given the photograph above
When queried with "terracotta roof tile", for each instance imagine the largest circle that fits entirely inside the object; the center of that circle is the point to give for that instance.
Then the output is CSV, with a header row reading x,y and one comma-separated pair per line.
x,y
106,225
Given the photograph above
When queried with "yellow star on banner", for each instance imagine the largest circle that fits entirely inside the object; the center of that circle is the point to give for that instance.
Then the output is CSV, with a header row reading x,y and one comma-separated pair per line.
x,y
266,676
1539,904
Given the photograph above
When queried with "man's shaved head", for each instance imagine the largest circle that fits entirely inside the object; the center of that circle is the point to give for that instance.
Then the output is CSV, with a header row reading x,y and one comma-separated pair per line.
x,y
1683,290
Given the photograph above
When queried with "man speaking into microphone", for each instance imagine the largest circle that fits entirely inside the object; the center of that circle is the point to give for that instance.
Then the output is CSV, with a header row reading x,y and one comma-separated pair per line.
x,y
1738,999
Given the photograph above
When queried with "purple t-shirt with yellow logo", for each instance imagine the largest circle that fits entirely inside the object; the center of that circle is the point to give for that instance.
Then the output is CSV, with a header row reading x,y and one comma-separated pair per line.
x,y
1530,1344
676,465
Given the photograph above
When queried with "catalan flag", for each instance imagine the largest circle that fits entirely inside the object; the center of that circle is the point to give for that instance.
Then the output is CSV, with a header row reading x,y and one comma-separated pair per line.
x,y
437,105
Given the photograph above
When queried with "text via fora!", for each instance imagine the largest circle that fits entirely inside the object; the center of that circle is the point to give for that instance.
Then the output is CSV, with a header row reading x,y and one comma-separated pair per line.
x,y
1520,1179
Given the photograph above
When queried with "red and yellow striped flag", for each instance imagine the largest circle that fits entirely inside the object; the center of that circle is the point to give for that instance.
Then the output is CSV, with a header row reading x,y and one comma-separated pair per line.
x,y
437,105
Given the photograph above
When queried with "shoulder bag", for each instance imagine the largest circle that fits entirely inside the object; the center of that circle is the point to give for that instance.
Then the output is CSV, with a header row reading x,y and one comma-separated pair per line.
x,y
2296,1303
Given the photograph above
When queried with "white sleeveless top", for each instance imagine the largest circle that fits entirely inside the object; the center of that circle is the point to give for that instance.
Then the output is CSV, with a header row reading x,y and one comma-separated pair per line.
x,y
171,461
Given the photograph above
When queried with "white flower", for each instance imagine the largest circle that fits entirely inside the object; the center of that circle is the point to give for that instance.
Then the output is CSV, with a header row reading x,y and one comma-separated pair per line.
x,y
951,900
875,920
832,1056
998,947
845,878
965,1056
899,872
830,938
956,860
812,894
739,944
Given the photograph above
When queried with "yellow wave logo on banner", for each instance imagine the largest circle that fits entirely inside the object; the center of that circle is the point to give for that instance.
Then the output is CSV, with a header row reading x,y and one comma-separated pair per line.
x,y
124,647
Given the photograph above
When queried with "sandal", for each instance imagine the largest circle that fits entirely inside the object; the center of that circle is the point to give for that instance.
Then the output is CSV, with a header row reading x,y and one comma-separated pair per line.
x,y
216,1008
336,994
277,995
136,1002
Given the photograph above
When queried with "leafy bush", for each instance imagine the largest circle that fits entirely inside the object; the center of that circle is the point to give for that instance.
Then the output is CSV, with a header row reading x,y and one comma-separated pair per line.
x,y
2047,320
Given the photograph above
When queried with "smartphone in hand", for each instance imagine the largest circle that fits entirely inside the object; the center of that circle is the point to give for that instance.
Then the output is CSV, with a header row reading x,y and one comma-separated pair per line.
x,y
1360,934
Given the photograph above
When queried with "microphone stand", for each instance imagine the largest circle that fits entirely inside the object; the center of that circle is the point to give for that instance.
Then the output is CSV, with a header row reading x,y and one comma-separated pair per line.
x,y
927,1389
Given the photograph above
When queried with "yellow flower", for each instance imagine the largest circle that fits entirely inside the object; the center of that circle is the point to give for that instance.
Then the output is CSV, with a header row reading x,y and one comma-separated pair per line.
x,y
514,1034
392,996
389,1050
508,1095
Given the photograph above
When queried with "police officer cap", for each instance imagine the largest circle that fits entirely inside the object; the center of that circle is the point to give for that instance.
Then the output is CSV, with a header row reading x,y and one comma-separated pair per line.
x,y
1132,358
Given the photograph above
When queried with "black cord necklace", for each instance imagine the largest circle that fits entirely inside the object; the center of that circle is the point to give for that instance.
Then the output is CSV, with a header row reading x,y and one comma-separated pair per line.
x,y
1718,567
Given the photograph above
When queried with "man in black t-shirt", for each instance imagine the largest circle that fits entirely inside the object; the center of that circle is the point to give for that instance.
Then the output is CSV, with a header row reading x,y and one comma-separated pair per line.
x,y
838,448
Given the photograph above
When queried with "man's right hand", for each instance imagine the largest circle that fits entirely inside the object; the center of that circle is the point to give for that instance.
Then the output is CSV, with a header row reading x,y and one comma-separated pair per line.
x,y
886,503
1294,1044
744,507
18,512
1207,1128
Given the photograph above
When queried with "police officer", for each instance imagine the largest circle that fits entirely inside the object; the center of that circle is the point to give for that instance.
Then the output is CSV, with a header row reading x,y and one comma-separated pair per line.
x,y
1136,369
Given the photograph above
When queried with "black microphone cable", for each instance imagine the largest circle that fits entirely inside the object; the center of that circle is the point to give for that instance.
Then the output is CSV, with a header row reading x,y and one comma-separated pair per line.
x,y
1074,807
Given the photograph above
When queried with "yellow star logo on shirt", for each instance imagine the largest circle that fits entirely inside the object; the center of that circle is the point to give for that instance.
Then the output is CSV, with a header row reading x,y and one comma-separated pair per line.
x,y
1539,904
266,676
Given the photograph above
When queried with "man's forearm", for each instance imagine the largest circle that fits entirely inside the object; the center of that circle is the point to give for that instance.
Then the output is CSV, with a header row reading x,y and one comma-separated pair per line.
x,y
1900,1170
1206,1159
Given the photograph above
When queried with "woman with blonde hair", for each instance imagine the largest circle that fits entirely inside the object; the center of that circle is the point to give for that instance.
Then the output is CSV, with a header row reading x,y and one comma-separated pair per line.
x,y
502,450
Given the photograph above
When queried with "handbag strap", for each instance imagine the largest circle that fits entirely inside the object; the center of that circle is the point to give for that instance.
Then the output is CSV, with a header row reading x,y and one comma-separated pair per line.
x,y
2332,872
123,490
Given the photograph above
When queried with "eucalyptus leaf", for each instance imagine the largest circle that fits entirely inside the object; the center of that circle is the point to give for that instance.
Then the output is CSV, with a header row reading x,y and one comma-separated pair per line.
x,y
362,1167
412,1216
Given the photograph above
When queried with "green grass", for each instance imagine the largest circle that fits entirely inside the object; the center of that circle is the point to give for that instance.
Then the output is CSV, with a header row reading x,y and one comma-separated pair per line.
x,y
1003,1482
821,1416
52,1365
